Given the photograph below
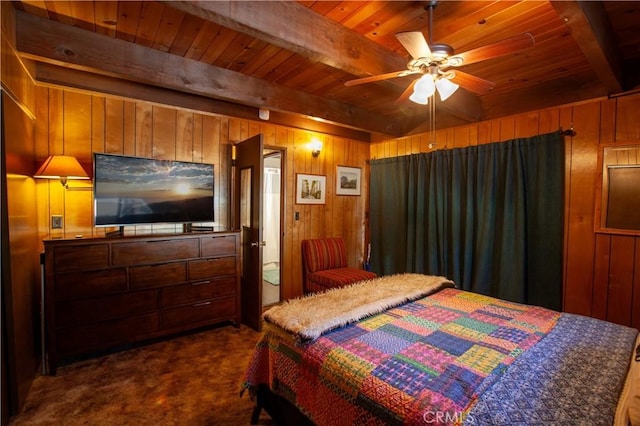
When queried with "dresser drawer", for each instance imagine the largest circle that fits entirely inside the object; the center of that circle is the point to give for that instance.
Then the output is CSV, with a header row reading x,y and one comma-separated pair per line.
x,y
205,268
106,334
102,308
83,257
77,285
217,246
153,251
157,275
197,291
203,312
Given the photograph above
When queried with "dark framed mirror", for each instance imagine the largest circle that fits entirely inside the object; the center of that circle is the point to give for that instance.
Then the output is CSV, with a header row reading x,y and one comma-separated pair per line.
x,y
618,189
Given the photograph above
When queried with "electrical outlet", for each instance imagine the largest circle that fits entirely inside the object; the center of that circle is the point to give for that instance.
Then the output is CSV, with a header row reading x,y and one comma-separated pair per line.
x,y
56,222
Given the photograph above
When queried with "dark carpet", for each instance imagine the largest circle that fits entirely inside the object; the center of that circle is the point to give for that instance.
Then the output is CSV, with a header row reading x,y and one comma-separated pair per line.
x,y
188,380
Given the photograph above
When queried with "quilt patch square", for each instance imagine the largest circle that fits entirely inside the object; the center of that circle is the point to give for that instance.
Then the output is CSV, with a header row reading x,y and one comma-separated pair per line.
x,y
454,345
499,345
413,328
438,314
481,360
343,334
510,334
487,318
507,312
385,342
402,375
427,357
401,332
376,321
365,351
427,326
411,307
456,383
344,372
476,325
461,331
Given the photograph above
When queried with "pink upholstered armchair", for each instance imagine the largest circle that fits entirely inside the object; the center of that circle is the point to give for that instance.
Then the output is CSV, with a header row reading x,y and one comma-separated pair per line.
x,y
324,265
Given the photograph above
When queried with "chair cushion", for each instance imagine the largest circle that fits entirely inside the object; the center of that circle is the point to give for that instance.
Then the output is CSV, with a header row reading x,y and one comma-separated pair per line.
x,y
338,277
324,253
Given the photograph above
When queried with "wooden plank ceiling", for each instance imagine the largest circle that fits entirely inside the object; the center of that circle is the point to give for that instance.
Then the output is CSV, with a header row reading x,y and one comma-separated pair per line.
x,y
293,58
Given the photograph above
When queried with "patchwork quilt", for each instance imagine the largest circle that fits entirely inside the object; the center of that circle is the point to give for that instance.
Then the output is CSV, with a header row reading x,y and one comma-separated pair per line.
x,y
442,359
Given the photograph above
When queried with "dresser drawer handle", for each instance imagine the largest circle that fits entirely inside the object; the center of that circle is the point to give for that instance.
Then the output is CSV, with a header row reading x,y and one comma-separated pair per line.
x,y
201,283
157,241
202,304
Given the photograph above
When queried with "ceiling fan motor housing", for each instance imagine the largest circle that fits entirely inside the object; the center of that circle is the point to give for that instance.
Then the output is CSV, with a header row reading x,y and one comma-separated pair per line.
x,y
441,51
441,57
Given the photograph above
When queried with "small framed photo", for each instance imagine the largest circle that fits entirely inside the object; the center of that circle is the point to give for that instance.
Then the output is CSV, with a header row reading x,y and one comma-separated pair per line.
x,y
348,180
310,189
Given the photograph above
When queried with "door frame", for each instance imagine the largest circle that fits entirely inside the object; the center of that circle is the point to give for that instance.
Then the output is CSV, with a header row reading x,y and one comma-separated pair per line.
x,y
283,197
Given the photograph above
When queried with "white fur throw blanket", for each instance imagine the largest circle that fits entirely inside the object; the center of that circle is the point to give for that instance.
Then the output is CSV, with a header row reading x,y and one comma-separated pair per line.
x,y
308,317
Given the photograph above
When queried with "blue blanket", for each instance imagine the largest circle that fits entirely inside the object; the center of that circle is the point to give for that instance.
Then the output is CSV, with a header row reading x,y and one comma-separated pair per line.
x,y
548,382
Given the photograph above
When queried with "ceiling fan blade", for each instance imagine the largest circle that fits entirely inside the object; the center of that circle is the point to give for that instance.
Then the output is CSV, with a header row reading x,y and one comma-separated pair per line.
x,y
407,92
490,51
378,77
471,82
415,43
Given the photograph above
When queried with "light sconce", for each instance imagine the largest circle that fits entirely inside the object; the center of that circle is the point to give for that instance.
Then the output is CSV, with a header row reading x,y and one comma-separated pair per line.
x,y
63,167
316,147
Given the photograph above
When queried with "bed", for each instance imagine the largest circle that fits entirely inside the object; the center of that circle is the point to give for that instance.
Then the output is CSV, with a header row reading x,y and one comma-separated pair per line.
x,y
413,349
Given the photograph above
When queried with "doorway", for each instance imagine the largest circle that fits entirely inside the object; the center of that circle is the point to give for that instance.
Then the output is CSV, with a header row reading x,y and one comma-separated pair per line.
x,y
257,196
272,222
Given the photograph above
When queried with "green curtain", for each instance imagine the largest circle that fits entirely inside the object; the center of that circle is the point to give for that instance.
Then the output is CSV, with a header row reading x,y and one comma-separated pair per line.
x,y
489,217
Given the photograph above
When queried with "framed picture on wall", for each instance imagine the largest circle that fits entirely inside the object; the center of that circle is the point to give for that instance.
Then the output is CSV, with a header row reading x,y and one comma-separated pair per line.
x,y
348,180
310,189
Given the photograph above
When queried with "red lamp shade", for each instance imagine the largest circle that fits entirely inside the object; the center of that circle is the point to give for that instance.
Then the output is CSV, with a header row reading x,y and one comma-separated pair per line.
x,y
61,167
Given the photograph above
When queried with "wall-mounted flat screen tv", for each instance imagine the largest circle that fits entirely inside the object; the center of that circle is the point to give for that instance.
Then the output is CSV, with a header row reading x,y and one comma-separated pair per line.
x,y
134,191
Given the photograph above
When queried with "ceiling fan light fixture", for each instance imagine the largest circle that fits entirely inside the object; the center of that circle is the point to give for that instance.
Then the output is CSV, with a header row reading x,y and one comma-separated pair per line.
x,y
445,88
423,89
419,98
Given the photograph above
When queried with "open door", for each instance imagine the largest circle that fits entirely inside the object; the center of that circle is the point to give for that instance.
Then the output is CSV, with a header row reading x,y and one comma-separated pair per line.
x,y
249,167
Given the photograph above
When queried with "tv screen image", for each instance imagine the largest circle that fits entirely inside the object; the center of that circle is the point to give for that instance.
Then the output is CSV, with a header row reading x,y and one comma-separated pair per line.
x,y
134,190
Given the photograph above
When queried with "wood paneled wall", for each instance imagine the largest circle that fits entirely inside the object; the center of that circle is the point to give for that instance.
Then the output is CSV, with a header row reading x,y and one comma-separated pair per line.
x,y
74,123
20,278
597,282
601,271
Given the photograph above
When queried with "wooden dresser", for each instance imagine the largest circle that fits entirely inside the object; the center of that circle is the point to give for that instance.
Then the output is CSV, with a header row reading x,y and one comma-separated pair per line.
x,y
102,293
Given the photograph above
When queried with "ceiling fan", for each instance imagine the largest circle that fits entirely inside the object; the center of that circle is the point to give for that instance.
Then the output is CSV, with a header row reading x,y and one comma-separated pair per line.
x,y
434,60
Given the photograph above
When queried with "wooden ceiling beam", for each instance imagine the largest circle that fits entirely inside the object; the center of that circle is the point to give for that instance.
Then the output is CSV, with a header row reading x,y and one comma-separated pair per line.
x,y
47,41
298,29
287,24
61,77
591,29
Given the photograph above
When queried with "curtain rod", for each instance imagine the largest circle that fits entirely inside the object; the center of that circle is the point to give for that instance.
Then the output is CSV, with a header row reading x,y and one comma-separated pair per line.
x,y
568,132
